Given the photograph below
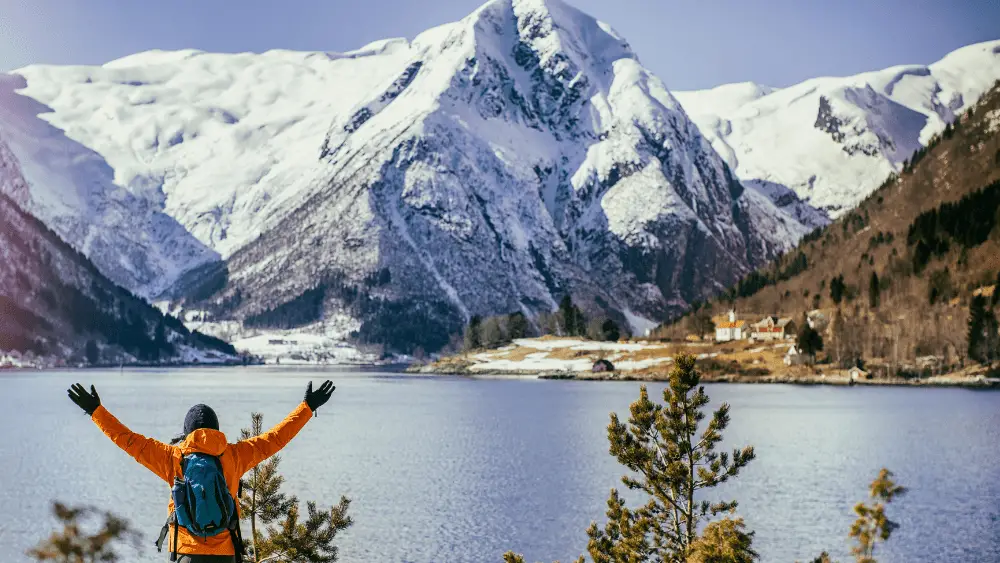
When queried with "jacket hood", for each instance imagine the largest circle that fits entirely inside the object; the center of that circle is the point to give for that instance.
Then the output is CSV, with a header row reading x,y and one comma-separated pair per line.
x,y
205,441
200,416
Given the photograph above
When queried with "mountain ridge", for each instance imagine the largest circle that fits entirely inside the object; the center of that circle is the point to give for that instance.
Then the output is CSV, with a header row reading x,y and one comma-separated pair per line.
x,y
488,166
833,140
890,283
533,101
58,308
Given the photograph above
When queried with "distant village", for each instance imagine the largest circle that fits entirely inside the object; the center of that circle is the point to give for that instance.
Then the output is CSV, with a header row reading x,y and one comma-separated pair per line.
x,y
766,329
771,328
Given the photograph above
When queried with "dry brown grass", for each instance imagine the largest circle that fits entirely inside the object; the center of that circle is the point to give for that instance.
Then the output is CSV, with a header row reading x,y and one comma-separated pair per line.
x,y
518,353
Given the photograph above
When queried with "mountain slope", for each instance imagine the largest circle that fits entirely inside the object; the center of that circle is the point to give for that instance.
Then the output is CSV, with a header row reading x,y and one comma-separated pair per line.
x,y
930,236
488,166
72,188
518,155
832,141
55,305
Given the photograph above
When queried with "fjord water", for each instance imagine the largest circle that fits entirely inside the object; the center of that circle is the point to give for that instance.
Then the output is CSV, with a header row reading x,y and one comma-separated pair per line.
x,y
453,470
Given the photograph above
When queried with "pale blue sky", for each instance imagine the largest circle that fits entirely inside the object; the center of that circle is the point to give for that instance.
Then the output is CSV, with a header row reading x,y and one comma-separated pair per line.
x,y
688,43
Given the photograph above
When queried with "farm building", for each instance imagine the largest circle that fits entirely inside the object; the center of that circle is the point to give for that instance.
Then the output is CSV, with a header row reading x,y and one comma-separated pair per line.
x,y
773,328
732,329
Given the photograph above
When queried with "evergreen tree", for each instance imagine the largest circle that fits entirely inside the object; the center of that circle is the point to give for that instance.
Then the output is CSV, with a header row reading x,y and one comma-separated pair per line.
x,y
872,524
837,288
472,337
567,312
574,324
723,541
939,286
287,538
996,289
671,463
983,338
309,541
610,331
261,500
873,291
74,543
517,325
161,344
808,341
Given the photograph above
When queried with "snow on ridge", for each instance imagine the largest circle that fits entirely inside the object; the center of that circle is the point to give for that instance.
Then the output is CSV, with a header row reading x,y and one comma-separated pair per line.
x,y
72,189
832,140
722,100
229,143
525,141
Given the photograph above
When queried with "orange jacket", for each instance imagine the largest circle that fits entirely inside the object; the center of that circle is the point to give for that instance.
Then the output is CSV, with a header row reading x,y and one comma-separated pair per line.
x,y
236,459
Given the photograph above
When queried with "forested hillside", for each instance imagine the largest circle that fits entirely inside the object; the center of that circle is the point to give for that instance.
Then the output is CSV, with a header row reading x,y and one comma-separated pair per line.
x,y
899,277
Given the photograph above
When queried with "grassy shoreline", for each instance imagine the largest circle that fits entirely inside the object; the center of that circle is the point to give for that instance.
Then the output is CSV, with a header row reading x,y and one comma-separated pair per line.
x,y
571,359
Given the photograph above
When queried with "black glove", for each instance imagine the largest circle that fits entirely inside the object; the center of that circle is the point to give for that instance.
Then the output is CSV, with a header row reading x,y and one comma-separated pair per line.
x,y
318,398
86,401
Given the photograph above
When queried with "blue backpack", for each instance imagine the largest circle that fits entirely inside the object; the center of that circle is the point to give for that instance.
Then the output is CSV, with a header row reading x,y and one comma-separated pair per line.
x,y
203,504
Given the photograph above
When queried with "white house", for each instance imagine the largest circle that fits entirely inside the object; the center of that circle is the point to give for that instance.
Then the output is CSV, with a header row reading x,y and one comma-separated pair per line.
x,y
732,329
794,357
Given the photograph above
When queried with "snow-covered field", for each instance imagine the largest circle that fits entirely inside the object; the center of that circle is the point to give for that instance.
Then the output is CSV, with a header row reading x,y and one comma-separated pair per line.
x,y
297,347
320,343
568,355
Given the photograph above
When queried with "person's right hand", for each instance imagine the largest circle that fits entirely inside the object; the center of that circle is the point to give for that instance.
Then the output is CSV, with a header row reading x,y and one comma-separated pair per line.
x,y
86,401
318,398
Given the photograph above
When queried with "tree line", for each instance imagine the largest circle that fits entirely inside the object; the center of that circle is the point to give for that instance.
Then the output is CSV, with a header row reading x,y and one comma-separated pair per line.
x,y
567,320
966,223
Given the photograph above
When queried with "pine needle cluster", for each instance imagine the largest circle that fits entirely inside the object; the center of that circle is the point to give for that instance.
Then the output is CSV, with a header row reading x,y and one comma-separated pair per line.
x,y
278,533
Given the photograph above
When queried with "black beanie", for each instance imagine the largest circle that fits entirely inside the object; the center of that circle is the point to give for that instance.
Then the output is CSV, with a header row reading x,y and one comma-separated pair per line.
x,y
200,416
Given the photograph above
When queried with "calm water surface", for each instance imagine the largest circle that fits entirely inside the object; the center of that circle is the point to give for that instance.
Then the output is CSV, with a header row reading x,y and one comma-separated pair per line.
x,y
451,470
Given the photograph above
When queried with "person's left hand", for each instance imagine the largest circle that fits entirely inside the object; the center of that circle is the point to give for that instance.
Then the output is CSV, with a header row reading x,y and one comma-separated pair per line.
x,y
86,401
318,398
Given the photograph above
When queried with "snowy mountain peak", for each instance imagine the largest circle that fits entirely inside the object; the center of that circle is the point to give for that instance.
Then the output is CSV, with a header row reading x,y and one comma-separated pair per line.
x,y
525,141
833,140
489,165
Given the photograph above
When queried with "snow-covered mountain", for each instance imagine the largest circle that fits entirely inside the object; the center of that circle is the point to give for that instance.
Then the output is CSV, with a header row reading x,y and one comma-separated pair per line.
x,y
832,141
57,307
74,190
488,166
